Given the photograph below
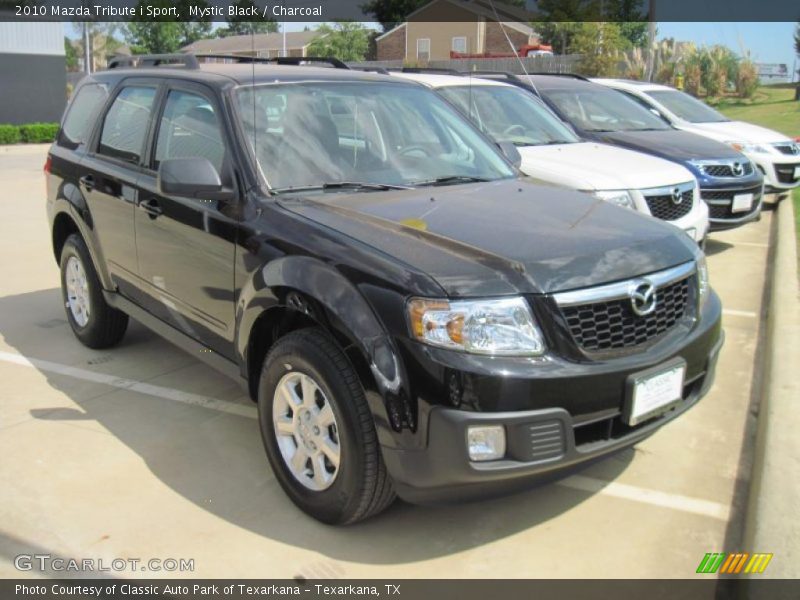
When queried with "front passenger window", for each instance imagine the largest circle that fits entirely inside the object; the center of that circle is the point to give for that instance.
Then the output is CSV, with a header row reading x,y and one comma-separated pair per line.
x,y
189,129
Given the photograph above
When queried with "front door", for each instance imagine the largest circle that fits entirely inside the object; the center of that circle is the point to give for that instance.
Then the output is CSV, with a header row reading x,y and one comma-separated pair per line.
x,y
186,246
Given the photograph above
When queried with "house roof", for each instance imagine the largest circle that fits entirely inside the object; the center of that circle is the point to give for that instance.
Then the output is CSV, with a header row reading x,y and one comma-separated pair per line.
x,y
259,41
509,15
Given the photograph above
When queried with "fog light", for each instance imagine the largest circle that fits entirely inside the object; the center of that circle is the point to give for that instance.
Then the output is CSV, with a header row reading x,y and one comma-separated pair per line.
x,y
486,442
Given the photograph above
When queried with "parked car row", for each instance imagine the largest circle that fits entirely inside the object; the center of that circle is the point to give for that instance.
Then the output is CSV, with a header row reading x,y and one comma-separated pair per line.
x,y
412,314
731,184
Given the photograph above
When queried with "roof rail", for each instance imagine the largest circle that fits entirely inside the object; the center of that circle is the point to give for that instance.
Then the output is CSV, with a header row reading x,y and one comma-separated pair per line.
x,y
381,70
572,75
154,60
442,70
299,60
504,74
234,58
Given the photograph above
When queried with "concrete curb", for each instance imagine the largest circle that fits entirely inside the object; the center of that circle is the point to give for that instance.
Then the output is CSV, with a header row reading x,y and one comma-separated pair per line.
x,y
771,523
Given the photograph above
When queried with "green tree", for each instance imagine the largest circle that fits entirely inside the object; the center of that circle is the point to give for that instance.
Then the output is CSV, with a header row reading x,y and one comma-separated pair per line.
x,y
601,44
346,40
71,54
244,25
561,19
632,22
165,35
390,13
797,38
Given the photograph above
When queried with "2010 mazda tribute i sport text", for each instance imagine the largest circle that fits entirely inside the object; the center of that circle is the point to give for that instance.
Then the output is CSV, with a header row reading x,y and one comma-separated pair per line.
x,y
411,316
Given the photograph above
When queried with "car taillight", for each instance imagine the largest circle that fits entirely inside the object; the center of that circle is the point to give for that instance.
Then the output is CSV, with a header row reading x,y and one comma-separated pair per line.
x,y
48,163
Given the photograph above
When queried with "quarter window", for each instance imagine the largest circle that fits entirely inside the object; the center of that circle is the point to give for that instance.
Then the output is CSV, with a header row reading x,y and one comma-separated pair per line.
x,y
82,114
424,49
189,128
125,125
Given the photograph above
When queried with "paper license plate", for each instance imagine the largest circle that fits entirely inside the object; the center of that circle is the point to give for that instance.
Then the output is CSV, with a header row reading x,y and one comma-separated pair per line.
x,y
653,394
796,172
742,202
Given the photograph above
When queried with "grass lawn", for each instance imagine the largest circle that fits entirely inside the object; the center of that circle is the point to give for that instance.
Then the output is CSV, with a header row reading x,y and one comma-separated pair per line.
x,y
773,107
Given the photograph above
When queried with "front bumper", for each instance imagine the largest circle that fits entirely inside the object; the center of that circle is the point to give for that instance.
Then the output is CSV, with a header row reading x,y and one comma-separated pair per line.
x,y
566,431
720,206
778,171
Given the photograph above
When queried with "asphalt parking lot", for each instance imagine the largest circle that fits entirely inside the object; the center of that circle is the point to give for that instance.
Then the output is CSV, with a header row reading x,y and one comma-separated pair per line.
x,y
144,452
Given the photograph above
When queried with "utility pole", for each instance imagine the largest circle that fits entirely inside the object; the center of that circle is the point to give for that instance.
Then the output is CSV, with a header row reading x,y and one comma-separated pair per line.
x,y
651,39
87,49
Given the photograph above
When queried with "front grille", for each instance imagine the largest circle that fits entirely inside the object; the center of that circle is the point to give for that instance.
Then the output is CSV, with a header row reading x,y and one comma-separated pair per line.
x,y
664,206
785,173
720,202
788,148
726,170
612,324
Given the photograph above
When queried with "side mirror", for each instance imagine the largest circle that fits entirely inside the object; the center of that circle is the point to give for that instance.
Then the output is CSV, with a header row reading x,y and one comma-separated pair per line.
x,y
511,153
192,177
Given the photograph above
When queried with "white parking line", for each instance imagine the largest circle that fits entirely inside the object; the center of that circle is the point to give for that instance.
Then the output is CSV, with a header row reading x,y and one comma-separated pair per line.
x,y
242,410
697,506
739,313
577,482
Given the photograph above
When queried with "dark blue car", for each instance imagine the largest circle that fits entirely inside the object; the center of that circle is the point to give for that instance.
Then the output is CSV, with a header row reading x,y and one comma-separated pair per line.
x,y
729,183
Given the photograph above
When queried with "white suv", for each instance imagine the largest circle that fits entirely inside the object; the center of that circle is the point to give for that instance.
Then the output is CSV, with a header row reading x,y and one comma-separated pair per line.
x,y
776,156
551,152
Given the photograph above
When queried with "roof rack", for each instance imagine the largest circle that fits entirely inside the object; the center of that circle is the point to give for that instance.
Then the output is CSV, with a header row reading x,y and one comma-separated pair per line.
x,y
190,61
572,75
505,74
154,60
381,70
299,60
442,71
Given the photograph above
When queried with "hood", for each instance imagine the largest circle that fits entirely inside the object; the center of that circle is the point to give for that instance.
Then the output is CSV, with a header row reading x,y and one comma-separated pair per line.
x,y
502,237
591,166
672,144
737,131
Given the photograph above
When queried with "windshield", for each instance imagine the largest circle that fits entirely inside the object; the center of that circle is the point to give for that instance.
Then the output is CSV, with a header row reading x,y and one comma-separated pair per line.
x,y
686,107
604,110
509,114
308,135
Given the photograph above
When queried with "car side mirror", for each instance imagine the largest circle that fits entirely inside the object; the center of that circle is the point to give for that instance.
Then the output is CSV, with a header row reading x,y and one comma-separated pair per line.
x,y
193,177
511,153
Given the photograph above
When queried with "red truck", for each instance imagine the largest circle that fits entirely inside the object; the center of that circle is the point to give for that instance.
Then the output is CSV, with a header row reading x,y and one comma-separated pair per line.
x,y
523,51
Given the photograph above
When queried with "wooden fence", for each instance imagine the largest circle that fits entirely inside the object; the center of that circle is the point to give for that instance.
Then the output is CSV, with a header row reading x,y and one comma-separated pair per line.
x,y
565,63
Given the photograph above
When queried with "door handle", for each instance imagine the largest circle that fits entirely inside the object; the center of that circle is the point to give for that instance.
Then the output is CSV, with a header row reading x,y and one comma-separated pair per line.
x,y
88,182
151,207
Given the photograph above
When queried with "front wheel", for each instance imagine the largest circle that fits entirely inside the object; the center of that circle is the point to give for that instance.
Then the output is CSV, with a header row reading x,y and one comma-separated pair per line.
x,y
318,431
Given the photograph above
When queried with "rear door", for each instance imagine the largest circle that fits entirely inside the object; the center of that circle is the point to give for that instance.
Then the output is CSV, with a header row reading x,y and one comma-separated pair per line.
x,y
186,246
109,174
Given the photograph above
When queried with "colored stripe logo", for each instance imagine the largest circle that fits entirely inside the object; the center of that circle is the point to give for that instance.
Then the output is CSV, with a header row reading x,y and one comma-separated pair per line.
x,y
733,563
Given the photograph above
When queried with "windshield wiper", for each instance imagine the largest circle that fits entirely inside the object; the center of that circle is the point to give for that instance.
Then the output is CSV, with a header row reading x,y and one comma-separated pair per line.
x,y
451,179
340,185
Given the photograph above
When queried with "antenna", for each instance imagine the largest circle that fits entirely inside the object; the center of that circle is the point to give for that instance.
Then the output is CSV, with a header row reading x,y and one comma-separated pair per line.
x,y
514,50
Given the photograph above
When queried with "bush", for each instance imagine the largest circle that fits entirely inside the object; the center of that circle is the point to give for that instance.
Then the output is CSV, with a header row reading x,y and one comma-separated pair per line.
x,y
9,134
38,133
747,80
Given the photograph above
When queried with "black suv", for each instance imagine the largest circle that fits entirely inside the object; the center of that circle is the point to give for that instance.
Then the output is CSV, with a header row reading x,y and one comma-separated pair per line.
x,y
410,315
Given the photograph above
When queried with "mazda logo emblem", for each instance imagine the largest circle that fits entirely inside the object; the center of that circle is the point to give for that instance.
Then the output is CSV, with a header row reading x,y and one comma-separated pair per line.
x,y
677,197
643,298
738,169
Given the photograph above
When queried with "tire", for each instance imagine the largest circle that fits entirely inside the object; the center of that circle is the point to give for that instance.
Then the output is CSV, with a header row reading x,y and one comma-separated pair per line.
x,y
95,323
359,486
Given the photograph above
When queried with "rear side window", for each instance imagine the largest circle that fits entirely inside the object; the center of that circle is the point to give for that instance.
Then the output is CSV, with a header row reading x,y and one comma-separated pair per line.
x,y
189,128
82,114
125,125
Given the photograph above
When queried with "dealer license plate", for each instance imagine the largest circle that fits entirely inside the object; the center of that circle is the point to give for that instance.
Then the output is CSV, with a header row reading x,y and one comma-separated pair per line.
x,y
653,394
742,202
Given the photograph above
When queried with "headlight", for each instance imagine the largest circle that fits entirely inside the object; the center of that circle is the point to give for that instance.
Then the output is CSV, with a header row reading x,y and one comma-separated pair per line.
x,y
702,280
747,147
503,326
618,197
